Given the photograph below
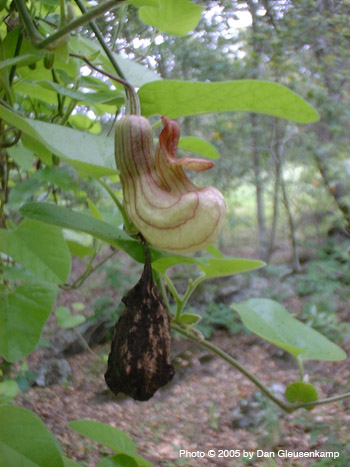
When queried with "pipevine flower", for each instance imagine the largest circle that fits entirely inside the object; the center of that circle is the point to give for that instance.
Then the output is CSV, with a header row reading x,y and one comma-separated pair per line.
x,y
170,211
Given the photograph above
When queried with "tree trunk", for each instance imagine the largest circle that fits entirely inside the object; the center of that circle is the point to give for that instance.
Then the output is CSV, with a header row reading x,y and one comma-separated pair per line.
x,y
321,48
259,187
295,257
337,191
276,198
259,190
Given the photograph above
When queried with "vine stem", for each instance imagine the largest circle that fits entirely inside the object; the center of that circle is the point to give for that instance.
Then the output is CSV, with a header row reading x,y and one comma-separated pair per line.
x,y
287,407
88,16
233,362
34,34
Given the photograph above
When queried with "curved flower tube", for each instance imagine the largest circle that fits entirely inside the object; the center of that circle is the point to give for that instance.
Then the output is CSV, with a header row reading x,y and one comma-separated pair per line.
x,y
169,210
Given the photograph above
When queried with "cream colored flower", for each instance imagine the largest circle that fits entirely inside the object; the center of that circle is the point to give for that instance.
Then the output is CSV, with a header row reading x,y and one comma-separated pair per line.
x,y
170,211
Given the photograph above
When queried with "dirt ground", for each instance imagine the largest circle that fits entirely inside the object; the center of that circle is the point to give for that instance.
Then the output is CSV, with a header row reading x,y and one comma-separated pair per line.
x,y
195,411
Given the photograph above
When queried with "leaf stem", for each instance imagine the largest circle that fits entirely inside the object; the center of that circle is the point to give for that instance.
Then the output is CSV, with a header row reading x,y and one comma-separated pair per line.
x,y
301,368
191,288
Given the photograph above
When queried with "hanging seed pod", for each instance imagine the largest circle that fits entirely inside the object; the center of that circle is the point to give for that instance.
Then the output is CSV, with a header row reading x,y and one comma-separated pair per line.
x,y
139,361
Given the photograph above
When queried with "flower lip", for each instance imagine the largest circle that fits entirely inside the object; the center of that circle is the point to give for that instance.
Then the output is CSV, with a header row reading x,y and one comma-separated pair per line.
x,y
168,143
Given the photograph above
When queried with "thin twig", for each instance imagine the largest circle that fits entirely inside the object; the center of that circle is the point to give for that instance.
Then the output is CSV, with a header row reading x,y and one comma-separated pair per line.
x,y
131,93
86,345
88,271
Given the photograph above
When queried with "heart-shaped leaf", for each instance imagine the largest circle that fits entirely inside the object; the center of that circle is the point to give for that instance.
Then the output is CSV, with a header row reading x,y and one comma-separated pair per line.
x,y
66,320
271,321
301,392
25,441
179,98
23,314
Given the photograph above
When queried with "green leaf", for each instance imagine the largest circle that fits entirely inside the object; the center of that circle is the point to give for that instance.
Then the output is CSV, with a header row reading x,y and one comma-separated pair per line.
x,y
25,441
179,98
69,463
220,267
66,320
67,219
211,267
8,390
175,17
139,3
78,249
17,273
120,460
39,247
113,438
83,122
35,91
21,192
301,392
64,69
3,4
78,306
164,263
94,210
62,52
22,156
23,314
57,176
114,97
189,318
90,154
36,147
199,146
21,60
271,321
214,251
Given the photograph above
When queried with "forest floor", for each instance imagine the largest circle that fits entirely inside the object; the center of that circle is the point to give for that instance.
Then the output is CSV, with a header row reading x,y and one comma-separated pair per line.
x,y
208,406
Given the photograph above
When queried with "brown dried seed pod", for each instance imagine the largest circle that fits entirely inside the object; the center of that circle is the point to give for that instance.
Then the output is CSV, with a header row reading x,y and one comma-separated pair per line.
x,y
139,361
